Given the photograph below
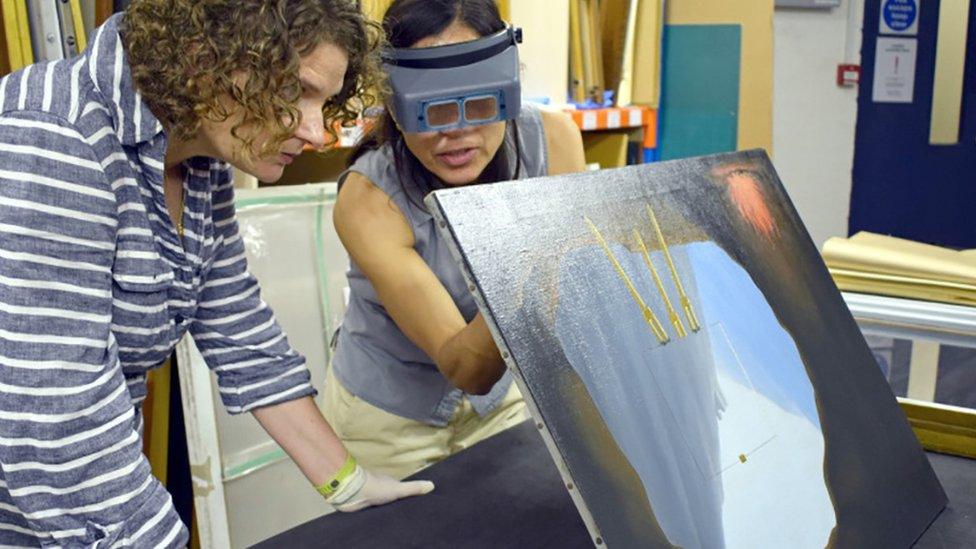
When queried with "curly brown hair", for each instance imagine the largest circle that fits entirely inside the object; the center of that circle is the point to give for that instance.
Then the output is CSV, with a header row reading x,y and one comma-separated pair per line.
x,y
187,57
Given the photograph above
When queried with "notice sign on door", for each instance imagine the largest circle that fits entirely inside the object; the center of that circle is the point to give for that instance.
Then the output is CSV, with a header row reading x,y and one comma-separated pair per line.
x,y
894,70
899,17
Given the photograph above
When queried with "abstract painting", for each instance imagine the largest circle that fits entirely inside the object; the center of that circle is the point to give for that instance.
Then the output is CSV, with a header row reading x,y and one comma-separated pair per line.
x,y
691,365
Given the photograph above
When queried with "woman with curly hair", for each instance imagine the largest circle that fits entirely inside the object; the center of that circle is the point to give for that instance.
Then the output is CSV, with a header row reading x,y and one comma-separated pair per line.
x,y
416,375
118,236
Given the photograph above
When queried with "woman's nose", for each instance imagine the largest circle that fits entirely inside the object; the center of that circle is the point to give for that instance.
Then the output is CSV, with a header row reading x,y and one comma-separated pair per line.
x,y
311,129
457,132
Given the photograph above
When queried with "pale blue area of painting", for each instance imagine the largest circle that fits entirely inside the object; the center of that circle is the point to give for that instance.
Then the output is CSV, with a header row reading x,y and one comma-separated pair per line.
x,y
728,295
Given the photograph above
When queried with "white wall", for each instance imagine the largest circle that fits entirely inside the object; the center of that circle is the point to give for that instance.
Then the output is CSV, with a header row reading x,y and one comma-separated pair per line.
x,y
813,118
544,52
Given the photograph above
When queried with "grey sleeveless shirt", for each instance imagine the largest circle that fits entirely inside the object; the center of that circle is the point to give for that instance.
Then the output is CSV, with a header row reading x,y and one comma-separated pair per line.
x,y
374,360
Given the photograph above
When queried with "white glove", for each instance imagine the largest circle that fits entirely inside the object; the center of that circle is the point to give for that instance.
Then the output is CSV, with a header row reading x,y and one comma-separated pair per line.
x,y
365,489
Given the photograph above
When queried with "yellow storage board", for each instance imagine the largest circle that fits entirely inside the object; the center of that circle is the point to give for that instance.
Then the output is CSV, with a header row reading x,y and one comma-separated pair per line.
x,y
646,88
504,9
613,33
756,75
608,149
79,24
26,50
376,8
11,45
16,34
950,63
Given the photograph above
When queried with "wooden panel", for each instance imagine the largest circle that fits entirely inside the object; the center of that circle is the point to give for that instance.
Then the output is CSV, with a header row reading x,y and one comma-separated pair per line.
x,y
700,96
941,428
950,64
4,48
608,148
504,9
16,35
625,86
155,413
646,88
314,167
81,33
923,370
596,49
577,68
756,75
585,35
376,8
103,10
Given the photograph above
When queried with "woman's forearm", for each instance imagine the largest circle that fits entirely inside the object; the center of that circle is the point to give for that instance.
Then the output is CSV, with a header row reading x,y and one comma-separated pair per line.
x,y
470,359
299,428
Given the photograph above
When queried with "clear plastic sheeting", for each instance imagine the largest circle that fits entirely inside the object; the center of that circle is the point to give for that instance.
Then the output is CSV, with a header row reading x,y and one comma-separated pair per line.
x,y
700,380
292,249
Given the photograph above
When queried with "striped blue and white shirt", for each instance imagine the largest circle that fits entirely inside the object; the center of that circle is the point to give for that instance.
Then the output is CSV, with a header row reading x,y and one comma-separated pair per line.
x,y
96,289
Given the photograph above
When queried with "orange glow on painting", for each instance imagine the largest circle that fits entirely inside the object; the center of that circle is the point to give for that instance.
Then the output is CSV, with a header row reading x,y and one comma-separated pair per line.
x,y
747,196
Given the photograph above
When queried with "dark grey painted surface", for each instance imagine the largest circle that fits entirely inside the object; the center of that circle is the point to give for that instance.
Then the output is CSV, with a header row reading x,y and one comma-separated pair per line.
x,y
502,492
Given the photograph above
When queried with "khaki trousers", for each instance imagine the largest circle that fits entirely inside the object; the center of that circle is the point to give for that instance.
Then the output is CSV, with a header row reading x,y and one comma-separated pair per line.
x,y
397,446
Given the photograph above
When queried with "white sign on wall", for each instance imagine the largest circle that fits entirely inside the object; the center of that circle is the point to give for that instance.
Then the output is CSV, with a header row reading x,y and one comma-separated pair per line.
x,y
899,17
894,70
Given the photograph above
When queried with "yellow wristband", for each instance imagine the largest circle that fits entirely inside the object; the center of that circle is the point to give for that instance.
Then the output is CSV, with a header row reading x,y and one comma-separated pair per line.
x,y
332,485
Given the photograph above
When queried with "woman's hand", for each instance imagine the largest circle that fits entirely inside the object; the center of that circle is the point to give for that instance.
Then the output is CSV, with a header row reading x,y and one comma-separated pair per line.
x,y
375,489
299,428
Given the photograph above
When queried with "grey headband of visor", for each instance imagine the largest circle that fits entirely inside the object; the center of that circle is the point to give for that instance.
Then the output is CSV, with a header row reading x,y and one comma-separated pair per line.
x,y
456,85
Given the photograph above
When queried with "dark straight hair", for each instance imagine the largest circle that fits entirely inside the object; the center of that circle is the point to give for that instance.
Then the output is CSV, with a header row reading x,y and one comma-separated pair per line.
x,y
407,22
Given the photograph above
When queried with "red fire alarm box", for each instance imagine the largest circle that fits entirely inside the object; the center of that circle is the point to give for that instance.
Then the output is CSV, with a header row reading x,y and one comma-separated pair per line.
x,y
848,75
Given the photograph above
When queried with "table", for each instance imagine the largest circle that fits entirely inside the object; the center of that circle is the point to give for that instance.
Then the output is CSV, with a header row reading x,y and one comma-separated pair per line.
x,y
506,492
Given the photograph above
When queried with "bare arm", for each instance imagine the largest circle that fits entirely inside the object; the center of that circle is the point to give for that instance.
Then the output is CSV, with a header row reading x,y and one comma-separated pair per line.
x,y
565,147
299,428
565,143
301,431
275,387
379,239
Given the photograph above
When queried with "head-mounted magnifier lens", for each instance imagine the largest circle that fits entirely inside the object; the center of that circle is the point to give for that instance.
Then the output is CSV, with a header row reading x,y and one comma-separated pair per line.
x,y
457,85
453,113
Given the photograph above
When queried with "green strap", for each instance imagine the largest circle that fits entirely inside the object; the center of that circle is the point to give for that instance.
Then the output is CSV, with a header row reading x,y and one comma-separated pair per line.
x,y
332,485
243,469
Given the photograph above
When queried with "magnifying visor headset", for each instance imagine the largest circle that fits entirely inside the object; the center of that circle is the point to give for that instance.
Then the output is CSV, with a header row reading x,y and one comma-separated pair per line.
x,y
456,85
